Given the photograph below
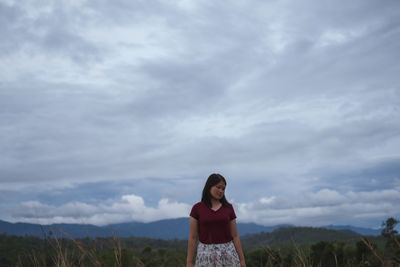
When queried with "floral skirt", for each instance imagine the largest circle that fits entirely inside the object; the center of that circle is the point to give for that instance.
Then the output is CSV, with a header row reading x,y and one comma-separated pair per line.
x,y
217,255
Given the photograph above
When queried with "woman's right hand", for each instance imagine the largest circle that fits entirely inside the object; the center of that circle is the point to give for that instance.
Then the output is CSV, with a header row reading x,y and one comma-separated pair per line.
x,y
189,264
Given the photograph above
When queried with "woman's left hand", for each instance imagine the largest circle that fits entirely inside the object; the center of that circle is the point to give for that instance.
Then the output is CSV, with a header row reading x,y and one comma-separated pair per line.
x,y
242,264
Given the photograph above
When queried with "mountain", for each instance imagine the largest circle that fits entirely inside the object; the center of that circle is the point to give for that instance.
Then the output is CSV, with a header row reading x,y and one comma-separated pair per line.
x,y
297,235
73,230
252,228
163,229
360,230
177,228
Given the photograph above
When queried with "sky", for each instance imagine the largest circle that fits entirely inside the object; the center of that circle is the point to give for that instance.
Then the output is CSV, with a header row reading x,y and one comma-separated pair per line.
x,y
118,111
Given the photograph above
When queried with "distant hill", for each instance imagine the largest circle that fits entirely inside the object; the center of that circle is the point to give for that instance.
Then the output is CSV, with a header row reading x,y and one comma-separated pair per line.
x,y
360,230
297,235
163,229
74,230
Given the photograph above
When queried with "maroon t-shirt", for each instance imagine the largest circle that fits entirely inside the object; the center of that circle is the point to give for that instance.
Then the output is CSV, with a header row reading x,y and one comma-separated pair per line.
x,y
214,226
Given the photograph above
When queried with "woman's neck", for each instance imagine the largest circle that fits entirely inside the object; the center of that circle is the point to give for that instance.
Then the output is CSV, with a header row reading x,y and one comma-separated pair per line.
x,y
215,202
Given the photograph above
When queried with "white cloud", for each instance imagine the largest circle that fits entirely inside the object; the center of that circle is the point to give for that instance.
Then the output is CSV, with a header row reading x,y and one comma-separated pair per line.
x,y
389,195
267,200
127,208
320,208
326,197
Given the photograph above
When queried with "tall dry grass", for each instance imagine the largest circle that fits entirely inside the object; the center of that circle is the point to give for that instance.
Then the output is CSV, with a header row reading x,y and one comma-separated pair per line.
x,y
385,259
81,255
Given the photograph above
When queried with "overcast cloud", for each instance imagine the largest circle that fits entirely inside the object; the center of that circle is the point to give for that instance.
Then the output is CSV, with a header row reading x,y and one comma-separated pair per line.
x,y
113,111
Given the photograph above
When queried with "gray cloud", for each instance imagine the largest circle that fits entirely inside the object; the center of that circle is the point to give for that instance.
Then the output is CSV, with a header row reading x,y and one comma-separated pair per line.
x,y
53,29
280,97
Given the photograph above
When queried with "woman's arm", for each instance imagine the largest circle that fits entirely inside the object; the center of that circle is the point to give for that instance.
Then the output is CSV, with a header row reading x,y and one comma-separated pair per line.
x,y
192,241
236,242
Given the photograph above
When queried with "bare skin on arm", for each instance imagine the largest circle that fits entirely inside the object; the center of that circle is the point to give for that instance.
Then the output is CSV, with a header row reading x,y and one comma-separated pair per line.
x,y
192,241
236,242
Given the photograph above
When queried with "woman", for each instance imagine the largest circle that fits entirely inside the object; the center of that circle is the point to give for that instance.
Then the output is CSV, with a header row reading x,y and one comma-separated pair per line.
x,y
213,224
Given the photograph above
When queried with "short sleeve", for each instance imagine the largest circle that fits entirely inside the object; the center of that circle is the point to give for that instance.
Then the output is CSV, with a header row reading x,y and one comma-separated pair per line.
x,y
194,213
232,214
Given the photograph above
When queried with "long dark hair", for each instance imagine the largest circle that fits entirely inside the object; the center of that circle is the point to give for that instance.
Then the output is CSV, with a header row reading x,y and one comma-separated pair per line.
x,y
212,180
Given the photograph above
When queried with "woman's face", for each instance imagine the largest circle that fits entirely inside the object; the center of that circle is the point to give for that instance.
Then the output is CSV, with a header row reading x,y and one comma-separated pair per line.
x,y
217,191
